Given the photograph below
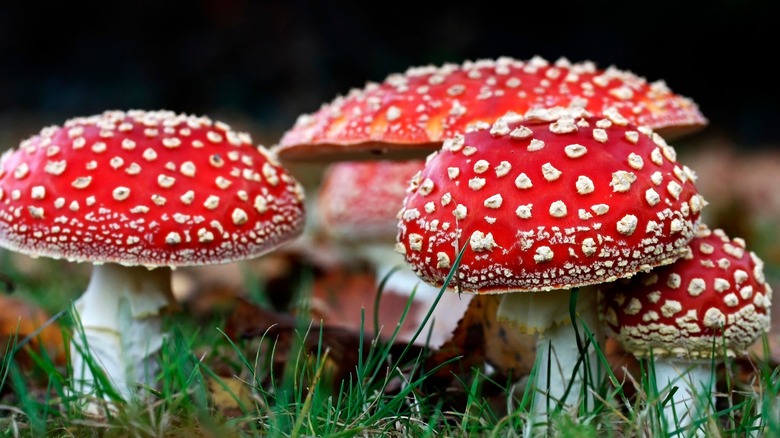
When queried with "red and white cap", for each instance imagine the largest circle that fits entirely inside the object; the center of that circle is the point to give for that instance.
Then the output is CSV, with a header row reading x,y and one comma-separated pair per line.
x,y
409,114
712,300
554,199
151,188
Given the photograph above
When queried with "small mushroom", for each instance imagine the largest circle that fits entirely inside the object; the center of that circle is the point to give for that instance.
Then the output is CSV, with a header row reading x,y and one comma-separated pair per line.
x,y
137,194
357,208
409,114
543,203
710,305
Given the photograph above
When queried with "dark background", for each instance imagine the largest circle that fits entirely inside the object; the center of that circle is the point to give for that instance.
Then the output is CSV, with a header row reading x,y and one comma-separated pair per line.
x,y
259,64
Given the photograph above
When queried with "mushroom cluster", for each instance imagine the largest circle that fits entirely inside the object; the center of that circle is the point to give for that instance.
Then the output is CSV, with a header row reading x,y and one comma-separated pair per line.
x,y
137,194
410,114
543,203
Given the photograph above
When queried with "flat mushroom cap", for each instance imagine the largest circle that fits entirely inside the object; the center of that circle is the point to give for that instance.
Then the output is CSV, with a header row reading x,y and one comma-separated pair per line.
x,y
359,201
410,114
543,203
151,188
715,297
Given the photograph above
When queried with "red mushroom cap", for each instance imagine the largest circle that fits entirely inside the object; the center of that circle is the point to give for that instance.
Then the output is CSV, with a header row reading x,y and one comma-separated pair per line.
x,y
546,205
360,200
716,296
409,114
146,188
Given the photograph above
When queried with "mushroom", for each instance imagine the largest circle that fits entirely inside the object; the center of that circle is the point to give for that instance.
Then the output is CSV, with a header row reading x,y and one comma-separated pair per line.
x,y
545,203
357,207
137,194
710,305
409,114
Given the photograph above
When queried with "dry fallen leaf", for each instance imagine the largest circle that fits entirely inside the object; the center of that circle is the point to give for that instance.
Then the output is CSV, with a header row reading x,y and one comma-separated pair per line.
x,y
19,320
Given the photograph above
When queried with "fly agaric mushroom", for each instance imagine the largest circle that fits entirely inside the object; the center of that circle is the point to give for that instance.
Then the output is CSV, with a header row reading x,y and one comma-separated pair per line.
x,y
357,207
138,194
544,203
409,114
711,304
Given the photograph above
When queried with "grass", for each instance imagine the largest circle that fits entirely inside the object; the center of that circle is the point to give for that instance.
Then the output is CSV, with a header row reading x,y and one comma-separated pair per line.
x,y
213,385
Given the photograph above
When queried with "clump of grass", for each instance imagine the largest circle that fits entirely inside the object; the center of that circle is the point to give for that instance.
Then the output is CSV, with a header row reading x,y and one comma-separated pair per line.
x,y
212,385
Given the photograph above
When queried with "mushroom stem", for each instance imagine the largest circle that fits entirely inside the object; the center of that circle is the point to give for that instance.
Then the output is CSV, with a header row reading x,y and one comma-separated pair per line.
x,y
399,279
120,327
695,385
560,365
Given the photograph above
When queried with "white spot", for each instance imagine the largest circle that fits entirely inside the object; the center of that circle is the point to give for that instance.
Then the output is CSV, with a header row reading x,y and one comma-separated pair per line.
x,y
173,238
503,169
494,201
652,197
81,182
55,167
188,197
239,216
442,260
479,241
212,202
621,181
38,192
165,181
558,209
696,287
535,145
543,254
627,225
150,155
584,185
415,242
523,181
588,246
600,135
121,193
476,183
524,211
575,150
187,168
550,173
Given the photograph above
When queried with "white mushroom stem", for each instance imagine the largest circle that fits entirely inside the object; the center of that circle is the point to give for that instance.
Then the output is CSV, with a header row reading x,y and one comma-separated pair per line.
x,y
448,311
695,385
120,327
559,362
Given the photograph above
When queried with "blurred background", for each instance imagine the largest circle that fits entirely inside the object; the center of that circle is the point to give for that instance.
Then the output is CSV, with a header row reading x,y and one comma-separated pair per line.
x,y
262,63
258,65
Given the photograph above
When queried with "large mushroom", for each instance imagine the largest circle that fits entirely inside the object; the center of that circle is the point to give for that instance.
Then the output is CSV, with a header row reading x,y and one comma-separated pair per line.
x,y
541,204
357,207
137,194
710,305
409,114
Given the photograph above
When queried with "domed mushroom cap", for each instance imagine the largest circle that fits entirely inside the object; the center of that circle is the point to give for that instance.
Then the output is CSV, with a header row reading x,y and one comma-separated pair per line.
x,y
359,200
549,201
712,300
150,188
409,114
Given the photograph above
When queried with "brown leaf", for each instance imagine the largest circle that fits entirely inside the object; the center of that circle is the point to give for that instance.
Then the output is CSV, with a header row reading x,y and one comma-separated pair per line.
x,y
20,319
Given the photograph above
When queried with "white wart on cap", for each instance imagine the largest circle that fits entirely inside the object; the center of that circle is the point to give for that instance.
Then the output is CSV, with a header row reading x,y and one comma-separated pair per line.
x,y
553,200
151,188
